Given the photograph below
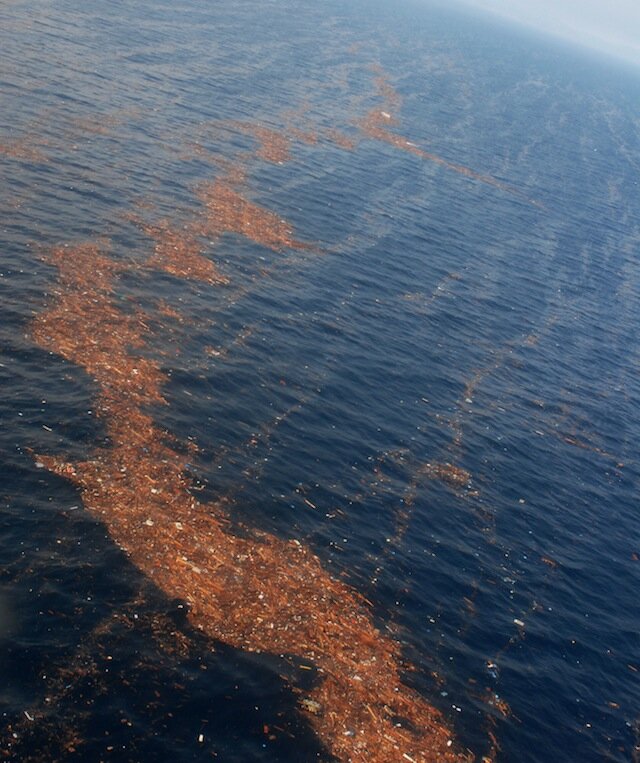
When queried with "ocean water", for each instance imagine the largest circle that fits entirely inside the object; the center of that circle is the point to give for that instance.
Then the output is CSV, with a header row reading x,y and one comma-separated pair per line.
x,y
437,393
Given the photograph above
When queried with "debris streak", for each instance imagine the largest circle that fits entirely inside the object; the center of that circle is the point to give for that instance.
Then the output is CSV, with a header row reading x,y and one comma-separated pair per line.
x,y
376,123
257,593
251,590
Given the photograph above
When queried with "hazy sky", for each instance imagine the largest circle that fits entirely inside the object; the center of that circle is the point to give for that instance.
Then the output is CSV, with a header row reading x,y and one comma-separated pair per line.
x,y
612,26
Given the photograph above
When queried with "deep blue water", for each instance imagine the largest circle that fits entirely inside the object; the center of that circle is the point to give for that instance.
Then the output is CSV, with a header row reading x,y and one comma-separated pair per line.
x,y
439,319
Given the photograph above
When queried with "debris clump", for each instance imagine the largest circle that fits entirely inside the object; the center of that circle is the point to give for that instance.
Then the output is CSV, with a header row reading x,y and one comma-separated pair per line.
x,y
251,590
255,592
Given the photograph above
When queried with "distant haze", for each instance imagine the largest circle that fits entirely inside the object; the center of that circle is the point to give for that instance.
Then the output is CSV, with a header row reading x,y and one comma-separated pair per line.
x,y
611,26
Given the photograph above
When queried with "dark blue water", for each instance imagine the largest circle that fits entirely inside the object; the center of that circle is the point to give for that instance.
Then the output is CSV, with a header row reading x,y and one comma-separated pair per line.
x,y
437,320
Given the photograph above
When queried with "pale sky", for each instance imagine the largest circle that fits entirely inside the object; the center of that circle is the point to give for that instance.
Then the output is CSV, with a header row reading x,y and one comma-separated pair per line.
x,y
611,26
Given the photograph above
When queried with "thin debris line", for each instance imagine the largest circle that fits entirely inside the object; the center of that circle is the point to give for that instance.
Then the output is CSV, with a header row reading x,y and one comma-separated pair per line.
x,y
573,434
260,438
376,123
418,475
500,708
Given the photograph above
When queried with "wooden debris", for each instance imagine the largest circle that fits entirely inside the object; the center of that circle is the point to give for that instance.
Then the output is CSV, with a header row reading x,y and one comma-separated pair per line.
x,y
376,124
452,475
256,592
253,590
228,211
24,149
180,253
273,145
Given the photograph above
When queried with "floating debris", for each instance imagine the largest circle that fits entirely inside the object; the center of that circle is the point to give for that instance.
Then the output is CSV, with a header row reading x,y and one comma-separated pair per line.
x,y
311,706
341,139
228,211
376,122
273,145
180,253
23,148
452,475
255,592
251,590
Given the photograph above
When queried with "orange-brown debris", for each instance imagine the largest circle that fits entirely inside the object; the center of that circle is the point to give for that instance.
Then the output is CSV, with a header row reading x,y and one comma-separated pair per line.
x,y
180,253
166,310
385,90
102,124
376,125
308,137
22,149
180,250
341,139
273,145
452,475
228,211
255,592
104,350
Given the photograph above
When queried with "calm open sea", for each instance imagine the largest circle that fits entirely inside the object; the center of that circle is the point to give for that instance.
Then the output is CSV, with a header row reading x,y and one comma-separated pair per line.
x,y
438,394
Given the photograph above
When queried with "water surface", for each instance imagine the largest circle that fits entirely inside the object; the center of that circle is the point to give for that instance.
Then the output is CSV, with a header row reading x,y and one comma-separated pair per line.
x,y
419,363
